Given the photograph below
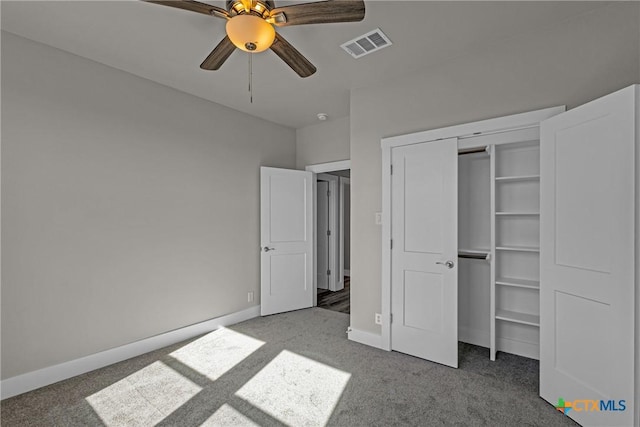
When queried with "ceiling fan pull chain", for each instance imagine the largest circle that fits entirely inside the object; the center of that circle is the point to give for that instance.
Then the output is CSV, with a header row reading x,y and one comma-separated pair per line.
x,y
250,77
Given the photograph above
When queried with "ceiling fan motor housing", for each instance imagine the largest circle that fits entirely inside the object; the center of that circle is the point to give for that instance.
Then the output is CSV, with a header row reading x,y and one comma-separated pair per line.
x,y
258,7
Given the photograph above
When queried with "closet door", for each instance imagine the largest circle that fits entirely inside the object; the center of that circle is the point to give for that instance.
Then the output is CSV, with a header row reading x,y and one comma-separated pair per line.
x,y
587,260
424,282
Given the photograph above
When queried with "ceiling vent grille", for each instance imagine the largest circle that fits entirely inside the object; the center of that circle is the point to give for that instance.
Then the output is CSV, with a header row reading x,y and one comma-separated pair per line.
x,y
366,44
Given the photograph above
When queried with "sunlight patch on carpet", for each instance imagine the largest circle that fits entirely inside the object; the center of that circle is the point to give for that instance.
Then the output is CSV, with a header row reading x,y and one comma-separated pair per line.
x,y
217,352
227,416
143,398
296,390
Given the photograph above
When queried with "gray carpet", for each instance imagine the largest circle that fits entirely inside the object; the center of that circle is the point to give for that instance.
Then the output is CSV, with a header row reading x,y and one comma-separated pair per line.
x,y
295,368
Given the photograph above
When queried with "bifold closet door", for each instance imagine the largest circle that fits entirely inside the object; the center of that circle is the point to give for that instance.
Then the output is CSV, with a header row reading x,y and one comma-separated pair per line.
x,y
587,214
424,254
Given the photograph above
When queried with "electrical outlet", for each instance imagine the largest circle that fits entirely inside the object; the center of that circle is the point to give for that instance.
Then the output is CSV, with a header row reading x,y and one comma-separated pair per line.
x,y
378,319
250,297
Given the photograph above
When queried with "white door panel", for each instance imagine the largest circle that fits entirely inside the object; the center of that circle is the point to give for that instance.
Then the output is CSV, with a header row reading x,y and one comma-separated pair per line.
x,y
587,257
286,235
424,291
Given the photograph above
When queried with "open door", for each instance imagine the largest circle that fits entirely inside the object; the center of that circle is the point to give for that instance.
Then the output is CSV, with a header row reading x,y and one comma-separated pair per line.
x,y
424,253
286,240
587,257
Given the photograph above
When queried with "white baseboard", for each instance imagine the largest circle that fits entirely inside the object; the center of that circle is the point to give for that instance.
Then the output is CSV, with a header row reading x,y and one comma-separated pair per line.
x,y
366,338
481,339
520,348
473,336
52,374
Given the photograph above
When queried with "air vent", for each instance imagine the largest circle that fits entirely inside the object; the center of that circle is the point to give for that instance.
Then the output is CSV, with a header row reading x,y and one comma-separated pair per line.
x,y
366,44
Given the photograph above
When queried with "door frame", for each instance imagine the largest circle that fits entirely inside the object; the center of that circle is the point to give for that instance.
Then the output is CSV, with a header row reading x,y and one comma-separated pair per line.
x,y
316,169
334,226
469,136
344,181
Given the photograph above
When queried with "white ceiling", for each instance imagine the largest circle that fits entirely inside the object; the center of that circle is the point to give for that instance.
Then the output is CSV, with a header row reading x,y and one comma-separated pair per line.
x,y
167,45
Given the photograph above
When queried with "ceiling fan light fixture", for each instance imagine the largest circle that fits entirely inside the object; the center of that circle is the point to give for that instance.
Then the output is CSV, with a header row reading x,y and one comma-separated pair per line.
x,y
250,33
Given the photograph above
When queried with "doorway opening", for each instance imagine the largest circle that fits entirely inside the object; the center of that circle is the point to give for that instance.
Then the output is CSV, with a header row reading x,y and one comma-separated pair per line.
x,y
333,213
332,217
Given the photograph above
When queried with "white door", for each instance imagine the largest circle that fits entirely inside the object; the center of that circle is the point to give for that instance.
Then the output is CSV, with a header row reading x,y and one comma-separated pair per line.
x,y
322,220
424,255
587,259
286,240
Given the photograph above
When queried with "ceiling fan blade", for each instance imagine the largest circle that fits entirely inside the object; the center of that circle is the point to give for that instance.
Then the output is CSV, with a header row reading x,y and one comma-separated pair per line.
x,y
321,12
292,57
218,55
194,6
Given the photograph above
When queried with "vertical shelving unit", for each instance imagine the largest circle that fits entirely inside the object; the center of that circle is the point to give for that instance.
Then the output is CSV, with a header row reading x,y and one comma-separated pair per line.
x,y
515,249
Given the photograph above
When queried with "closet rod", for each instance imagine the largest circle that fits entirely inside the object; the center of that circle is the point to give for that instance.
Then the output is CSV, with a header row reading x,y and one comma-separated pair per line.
x,y
473,150
473,255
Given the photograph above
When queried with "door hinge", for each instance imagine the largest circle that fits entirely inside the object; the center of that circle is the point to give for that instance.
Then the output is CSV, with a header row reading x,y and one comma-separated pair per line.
x,y
391,244
328,232
328,272
328,193
391,169
390,317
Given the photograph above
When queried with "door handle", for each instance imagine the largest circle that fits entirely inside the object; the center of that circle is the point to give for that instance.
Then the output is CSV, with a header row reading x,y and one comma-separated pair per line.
x,y
267,249
448,264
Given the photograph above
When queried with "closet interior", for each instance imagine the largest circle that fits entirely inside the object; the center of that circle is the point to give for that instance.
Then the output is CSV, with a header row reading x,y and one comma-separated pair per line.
x,y
499,242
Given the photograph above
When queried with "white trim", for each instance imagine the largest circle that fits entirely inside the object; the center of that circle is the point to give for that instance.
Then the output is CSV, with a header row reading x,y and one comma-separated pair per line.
x,y
385,297
520,348
52,374
499,124
481,339
329,167
473,336
336,232
366,338
347,272
334,226
343,183
316,169
314,247
637,254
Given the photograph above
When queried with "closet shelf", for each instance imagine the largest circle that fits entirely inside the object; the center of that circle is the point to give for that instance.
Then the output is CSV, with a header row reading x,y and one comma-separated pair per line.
x,y
518,248
518,283
517,178
517,213
515,317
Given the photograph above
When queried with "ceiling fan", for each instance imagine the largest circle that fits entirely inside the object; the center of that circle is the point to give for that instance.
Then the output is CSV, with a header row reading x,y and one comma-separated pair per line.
x,y
250,26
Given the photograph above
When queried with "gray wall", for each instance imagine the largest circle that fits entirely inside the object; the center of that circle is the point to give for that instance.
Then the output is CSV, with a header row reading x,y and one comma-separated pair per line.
x,y
322,142
128,209
583,58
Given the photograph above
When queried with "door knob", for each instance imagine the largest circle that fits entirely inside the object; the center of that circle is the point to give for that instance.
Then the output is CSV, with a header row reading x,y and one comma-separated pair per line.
x,y
267,249
448,264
